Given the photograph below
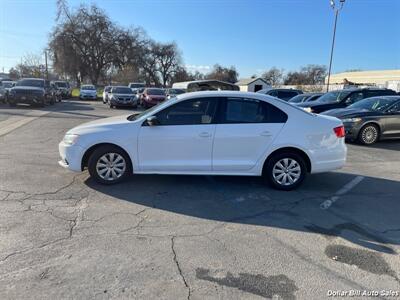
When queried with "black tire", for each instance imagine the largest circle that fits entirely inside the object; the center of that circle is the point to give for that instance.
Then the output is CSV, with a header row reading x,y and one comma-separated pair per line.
x,y
297,175
369,134
12,104
111,106
98,154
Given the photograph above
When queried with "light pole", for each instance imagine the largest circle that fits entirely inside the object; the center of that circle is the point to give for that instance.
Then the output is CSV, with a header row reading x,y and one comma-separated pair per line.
x,y
336,8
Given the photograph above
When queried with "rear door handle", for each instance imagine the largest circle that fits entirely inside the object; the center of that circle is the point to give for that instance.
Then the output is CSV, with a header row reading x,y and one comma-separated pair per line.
x,y
204,134
266,133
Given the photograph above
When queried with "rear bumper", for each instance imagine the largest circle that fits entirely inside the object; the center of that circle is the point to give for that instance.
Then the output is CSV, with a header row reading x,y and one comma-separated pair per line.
x,y
329,159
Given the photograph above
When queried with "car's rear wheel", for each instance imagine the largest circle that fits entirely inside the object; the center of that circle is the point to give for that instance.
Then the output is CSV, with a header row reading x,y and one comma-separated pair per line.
x,y
109,165
369,134
285,171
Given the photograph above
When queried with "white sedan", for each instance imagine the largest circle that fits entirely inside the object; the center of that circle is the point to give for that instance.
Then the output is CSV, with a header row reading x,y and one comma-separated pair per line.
x,y
209,133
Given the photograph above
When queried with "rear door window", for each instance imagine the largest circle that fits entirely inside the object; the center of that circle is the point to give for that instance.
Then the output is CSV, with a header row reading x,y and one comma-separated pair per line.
x,y
239,110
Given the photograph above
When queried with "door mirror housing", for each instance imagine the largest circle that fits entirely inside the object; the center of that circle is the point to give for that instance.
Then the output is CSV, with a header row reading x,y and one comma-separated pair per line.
x,y
152,121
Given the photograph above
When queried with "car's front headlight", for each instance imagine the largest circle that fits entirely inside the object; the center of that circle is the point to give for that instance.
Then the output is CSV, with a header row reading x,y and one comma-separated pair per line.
x,y
308,109
351,120
70,139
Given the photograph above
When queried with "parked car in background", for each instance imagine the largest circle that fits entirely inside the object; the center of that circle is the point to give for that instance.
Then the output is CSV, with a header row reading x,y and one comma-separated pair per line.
x,y
54,90
32,91
170,93
151,97
64,88
307,97
136,85
88,91
209,133
343,98
122,96
284,94
5,87
370,119
106,93
205,85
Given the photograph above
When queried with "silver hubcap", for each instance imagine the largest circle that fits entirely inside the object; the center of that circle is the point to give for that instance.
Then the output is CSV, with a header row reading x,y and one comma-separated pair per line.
x,y
286,171
111,166
369,135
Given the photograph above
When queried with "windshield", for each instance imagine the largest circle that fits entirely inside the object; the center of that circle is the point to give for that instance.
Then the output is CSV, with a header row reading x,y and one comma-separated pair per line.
x,y
121,90
333,97
155,92
373,104
61,84
31,82
7,84
136,85
298,99
175,91
88,87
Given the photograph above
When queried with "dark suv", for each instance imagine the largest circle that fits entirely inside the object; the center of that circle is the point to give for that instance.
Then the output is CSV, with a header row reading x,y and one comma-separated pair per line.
x,y
32,91
343,98
284,94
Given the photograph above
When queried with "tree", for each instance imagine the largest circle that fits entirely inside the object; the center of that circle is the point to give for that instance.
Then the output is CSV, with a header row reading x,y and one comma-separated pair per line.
x,y
223,74
308,75
31,66
315,74
273,76
90,42
168,60
181,74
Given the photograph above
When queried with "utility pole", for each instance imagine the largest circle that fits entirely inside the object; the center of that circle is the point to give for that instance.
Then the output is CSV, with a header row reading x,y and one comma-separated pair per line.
x,y
336,9
47,68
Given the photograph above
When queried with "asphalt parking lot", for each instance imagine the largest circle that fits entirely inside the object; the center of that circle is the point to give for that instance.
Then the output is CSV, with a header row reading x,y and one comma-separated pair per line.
x,y
188,237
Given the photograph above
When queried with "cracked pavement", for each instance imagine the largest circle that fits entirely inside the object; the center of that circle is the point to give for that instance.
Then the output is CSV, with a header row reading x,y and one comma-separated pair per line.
x,y
63,236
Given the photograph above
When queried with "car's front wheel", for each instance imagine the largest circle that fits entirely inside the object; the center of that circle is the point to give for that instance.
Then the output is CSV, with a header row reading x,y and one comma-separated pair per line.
x,y
285,171
369,134
109,165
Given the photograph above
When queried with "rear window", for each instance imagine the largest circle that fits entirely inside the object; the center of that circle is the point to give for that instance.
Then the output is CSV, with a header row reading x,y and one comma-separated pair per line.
x,y
121,90
239,110
155,92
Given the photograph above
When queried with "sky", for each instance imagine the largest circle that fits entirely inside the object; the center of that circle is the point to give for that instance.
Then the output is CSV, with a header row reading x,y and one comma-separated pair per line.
x,y
252,35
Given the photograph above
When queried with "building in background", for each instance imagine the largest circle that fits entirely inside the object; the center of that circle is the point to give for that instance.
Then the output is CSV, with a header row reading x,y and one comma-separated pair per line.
x,y
384,78
252,84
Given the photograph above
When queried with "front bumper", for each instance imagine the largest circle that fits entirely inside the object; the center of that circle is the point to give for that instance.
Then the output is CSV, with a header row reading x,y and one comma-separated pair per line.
x,y
129,103
352,129
87,96
71,156
26,99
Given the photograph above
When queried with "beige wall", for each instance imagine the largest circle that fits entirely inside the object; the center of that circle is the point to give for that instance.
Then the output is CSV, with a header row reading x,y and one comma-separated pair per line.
x,y
366,77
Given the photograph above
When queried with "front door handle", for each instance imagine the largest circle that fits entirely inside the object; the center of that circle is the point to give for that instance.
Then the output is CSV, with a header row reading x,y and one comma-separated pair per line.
x,y
204,134
266,133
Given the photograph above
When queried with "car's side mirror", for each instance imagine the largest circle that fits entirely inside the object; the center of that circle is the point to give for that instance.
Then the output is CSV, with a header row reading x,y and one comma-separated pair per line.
x,y
152,121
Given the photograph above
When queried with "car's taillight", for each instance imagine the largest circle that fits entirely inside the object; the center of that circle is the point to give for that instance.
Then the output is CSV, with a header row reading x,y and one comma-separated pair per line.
x,y
339,131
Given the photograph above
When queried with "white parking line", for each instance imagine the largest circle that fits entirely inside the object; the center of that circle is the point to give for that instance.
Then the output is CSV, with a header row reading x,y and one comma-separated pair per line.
x,y
345,189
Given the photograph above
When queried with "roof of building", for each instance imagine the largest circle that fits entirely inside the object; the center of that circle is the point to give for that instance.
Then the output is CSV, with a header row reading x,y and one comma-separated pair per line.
x,y
365,77
247,81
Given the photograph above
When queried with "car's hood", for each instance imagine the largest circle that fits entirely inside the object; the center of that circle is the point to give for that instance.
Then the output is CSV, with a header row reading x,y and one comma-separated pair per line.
x,y
27,88
349,113
88,91
100,124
